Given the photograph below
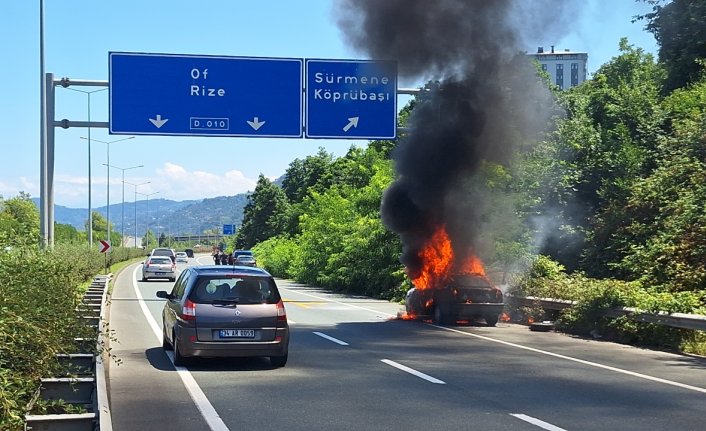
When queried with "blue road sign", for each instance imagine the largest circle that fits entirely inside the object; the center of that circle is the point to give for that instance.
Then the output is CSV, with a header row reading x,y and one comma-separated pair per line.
x,y
351,99
170,94
228,229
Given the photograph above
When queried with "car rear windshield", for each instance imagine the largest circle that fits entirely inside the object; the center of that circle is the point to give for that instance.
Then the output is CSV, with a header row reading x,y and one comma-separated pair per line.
x,y
236,289
162,252
160,261
471,281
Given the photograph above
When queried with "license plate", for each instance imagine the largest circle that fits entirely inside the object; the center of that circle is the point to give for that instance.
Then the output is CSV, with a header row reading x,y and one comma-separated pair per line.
x,y
237,333
161,273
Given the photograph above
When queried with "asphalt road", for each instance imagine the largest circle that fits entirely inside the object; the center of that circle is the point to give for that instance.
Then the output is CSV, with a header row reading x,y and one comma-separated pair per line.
x,y
354,366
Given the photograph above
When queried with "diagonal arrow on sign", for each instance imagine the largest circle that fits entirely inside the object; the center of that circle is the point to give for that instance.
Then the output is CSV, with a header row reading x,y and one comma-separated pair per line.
x,y
352,122
105,246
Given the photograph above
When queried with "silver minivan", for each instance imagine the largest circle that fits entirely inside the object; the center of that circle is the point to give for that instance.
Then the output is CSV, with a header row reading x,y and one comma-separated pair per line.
x,y
225,311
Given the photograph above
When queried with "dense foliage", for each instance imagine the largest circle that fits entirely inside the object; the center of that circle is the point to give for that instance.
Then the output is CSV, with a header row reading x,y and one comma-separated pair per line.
x,y
608,210
614,196
40,291
680,29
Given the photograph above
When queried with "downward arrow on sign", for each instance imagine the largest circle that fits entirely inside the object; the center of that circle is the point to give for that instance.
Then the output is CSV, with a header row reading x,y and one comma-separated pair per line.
x,y
158,121
256,123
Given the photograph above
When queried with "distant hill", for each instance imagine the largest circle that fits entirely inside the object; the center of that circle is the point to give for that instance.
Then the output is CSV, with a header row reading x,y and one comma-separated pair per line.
x,y
177,217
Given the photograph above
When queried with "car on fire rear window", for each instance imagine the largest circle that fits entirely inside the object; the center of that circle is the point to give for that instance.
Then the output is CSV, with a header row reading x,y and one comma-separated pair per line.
x,y
465,297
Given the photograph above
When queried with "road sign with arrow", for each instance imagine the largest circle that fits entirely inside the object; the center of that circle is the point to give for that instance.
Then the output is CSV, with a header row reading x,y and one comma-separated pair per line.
x,y
191,95
351,99
104,246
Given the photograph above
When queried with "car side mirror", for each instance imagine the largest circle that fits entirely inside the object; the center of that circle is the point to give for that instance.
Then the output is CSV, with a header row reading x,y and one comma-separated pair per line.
x,y
164,295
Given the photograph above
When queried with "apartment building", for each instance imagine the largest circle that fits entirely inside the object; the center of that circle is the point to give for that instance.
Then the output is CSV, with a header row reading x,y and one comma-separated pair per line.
x,y
566,68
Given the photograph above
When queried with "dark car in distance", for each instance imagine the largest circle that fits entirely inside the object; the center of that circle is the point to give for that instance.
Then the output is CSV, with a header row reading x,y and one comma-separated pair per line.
x,y
465,297
163,251
245,260
225,311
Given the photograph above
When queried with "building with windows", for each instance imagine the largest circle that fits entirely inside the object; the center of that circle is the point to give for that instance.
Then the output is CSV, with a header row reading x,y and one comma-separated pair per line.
x,y
565,68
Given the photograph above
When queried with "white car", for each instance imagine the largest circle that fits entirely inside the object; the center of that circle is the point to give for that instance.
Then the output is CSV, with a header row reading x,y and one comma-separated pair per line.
x,y
158,267
181,256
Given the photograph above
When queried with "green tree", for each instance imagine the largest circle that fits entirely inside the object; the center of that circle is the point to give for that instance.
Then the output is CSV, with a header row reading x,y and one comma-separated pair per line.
x,y
19,222
680,29
312,172
265,214
65,233
149,241
665,244
343,244
607,142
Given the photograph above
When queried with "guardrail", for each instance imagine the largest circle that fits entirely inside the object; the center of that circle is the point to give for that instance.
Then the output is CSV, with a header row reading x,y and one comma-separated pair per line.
x,y
105,422
675,320
87,387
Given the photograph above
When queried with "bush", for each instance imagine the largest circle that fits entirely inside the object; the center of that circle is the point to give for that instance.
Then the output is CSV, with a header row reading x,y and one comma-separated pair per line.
x,y
595,297
39,293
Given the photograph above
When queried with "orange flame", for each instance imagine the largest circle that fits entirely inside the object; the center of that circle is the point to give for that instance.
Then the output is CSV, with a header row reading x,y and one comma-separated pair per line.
x,y
472,265
436,259
438,262
406,316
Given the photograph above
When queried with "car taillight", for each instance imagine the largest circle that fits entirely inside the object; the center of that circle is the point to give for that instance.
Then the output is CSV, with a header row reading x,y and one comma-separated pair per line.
x,y
281,313
188,312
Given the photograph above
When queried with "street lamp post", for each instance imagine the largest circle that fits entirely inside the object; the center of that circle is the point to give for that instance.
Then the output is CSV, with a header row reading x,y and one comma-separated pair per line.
x,y
147,196
107,186
135,205
90,210
122,206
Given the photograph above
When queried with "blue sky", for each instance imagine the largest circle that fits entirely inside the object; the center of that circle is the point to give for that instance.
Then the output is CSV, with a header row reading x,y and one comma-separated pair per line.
x,y
80,33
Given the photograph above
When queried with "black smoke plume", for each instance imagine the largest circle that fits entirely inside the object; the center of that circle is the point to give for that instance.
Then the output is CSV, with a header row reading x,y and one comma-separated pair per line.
x,y
483,104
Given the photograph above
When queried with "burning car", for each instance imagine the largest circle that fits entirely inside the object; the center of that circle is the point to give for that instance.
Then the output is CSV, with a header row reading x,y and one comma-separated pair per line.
x,y
463,297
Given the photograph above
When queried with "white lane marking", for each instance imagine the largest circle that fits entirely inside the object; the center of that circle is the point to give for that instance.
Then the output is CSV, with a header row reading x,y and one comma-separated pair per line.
x,y
413,372
580,361
535,421
207,411
198,260
328,337
338,302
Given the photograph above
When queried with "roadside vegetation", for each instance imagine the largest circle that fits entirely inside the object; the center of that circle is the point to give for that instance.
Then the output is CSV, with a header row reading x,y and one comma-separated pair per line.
x,y
39,293
607,209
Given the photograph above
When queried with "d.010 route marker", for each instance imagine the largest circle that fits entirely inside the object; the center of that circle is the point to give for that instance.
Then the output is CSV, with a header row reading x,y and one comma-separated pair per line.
x,y
173,94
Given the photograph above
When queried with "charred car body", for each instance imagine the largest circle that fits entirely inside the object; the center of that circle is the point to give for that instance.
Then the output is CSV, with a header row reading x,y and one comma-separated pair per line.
x,y
465,297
